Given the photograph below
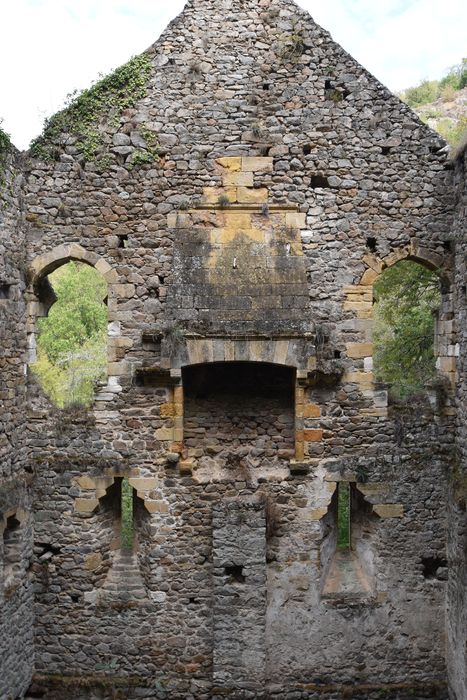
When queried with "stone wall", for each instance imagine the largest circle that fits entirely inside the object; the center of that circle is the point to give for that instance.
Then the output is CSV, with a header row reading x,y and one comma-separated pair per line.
x,y
457,540
16,599
287,178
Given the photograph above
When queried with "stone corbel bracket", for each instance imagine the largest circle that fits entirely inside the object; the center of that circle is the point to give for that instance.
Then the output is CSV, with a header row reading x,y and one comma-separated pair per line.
x,y
95,488
373,492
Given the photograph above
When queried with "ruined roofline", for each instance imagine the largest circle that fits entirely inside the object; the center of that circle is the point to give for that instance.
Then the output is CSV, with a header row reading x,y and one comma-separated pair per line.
x,y
69,119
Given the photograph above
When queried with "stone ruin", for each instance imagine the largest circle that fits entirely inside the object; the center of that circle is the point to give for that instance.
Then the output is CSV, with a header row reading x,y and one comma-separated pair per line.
x,y
240,196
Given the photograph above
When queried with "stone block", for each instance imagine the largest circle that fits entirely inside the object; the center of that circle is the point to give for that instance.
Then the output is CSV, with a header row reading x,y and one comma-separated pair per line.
x,y
362,378
369,277
313,435
164,434
252,196
156,506
143,484
122,291
232,163
118,369
312,410
389,510
237,180
86,506
295,219
214,195
167,410
257,164
359,350
93,561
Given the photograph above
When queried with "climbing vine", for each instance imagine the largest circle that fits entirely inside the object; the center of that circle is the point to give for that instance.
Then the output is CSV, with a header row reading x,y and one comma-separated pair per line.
x,y
84,111
5,143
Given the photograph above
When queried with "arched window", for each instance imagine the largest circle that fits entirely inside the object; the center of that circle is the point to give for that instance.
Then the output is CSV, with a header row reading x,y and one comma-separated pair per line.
x,y
71,343
407,297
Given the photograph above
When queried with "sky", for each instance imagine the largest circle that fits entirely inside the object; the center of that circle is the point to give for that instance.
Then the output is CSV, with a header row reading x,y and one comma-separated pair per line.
x,y
49,48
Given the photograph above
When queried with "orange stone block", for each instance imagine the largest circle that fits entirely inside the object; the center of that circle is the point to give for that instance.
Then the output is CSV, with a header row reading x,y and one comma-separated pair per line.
x,y
167,410
313,435
312,410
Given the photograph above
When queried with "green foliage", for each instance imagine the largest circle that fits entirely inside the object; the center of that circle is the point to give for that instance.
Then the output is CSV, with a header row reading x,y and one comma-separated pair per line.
x,y
112,95
426,92
343,515
71,344
453,132
5,142
128,532
406,296
430,90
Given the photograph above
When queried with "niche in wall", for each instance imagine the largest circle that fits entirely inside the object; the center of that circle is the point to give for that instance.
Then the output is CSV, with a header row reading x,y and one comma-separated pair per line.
x,y
239,412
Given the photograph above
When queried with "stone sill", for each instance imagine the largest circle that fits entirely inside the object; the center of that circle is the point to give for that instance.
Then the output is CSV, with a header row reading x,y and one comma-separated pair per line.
x,y
346,581
242,207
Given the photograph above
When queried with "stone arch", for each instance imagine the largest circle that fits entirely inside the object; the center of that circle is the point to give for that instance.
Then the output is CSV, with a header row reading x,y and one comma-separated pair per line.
x,y
359,300
414,252
40,298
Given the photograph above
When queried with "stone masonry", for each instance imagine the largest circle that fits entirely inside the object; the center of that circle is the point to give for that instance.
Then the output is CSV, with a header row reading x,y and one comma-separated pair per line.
x,y
240,209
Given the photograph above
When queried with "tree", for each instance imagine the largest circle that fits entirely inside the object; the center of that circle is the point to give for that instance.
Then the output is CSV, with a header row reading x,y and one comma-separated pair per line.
x,y
71,343
406,297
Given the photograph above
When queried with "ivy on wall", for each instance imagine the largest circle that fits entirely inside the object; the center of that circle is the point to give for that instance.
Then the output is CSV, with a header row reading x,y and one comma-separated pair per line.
x,y
105,100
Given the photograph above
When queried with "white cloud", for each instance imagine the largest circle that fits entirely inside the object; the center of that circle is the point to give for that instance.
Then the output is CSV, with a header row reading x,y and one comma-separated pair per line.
x,y
51,47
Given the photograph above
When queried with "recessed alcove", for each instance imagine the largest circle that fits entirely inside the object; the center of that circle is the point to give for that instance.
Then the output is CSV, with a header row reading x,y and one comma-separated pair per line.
x,y
238,410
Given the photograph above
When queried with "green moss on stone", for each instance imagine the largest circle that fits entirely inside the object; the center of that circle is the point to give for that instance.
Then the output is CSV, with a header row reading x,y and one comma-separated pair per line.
x,y
106,99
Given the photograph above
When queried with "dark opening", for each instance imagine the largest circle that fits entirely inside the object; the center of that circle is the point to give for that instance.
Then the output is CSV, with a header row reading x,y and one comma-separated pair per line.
x,y
328,85
123,240
318,181
46,548
34,692
235,572
264,150
371,244
239,409
431,566
5,290
385,150
447,245
307,149
266,86
337,354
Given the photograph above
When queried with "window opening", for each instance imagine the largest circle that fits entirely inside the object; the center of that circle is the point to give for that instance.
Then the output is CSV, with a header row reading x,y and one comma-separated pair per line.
x,y
343,516
123,241
72,338
127,536
371,244
407,297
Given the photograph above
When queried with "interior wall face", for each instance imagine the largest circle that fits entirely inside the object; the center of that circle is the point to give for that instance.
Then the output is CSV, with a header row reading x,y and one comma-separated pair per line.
x,y
240,390
16,598
457,530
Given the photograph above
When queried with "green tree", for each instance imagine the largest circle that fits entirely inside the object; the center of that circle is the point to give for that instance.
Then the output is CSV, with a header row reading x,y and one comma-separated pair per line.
x,y
406,298
71,344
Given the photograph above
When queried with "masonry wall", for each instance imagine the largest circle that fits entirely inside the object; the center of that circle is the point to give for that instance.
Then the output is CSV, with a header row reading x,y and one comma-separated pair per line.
x,y
16,600
457,540
287,179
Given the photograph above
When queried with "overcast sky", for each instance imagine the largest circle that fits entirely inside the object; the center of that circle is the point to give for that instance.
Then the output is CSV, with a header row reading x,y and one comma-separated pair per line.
x,y
50,47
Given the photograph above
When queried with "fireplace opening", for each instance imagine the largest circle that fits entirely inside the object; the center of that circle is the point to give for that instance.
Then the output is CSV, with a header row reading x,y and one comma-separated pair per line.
x,y
239,412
